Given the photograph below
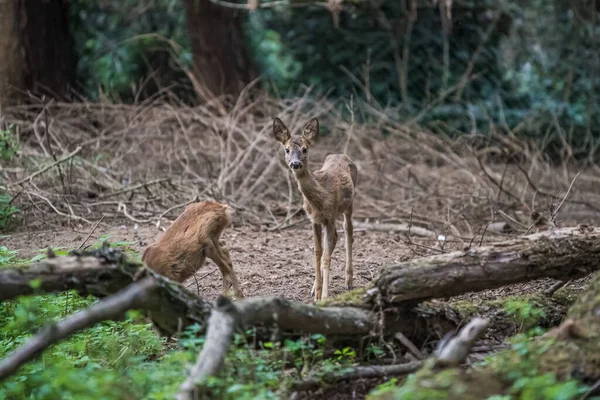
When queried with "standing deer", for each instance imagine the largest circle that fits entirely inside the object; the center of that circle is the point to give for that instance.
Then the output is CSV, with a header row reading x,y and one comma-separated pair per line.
x,y
327,193
193,236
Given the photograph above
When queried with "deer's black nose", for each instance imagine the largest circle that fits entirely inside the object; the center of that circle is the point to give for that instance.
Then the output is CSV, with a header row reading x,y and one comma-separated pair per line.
x,y
295,165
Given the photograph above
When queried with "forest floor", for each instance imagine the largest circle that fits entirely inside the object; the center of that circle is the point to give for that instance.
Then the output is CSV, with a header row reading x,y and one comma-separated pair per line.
x,y
267,263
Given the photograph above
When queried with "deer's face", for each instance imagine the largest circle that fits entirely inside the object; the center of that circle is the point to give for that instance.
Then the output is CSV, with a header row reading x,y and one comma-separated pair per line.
x,y
296,148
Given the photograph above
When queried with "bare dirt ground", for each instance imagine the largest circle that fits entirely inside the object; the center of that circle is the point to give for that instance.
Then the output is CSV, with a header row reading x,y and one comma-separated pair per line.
x,y
267,263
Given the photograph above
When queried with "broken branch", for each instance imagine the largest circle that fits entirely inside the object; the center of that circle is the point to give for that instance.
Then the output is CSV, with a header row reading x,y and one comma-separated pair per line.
x,y
221,325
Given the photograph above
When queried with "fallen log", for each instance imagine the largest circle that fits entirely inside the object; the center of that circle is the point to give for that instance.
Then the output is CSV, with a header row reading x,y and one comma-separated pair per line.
x,y
563,254
104,272
566,357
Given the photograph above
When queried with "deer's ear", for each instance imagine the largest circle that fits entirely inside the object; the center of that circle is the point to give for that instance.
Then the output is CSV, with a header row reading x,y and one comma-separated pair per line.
x,y
280,131
310,133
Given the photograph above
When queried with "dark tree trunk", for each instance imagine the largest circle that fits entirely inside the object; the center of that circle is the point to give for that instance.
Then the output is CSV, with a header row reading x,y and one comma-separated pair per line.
x,y
219,50
36,50
50,58
11,76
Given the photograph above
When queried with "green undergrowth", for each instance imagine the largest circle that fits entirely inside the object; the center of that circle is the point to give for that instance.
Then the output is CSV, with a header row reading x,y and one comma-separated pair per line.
x,y
127,359
523,311
9,146
534,367
514,373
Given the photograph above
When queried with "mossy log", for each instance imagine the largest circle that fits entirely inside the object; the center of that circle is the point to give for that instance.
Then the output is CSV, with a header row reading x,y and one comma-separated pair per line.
x,y
563,254
567,356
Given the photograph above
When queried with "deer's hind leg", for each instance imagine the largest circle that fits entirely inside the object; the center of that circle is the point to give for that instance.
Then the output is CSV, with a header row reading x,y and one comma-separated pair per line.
x,y
220,255
331,238
349,231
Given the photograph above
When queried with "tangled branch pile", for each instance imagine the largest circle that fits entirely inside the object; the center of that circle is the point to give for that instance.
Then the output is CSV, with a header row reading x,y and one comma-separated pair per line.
x,y
145,161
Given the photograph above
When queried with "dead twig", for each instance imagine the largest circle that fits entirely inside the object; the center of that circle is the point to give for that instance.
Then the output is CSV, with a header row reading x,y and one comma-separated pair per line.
x,y
384,227
409,345
47,167
556,286
134,188
90,234
555,212
360,372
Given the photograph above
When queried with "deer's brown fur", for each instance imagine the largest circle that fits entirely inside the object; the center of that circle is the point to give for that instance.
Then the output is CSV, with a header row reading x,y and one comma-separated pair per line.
x,y
327,193
182,249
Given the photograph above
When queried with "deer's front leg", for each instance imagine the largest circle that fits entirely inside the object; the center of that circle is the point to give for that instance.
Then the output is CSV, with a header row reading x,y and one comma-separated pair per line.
x,y
349,231
330,242
318,284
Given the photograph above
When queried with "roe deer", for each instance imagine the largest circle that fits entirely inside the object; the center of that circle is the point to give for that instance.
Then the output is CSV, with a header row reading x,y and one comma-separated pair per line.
x,y
194,235
327,193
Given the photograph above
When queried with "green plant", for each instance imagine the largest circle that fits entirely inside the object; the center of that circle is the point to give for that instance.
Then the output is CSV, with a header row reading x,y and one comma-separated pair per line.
x,y
9,143
7,211
7,256
526,314
345,354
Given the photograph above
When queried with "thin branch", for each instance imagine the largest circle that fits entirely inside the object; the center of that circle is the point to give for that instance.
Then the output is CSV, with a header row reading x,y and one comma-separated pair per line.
x,y
409,345
555,287
133,188
387,227
498,185
360,372
91,233
505,215
112,307
553,216
47,167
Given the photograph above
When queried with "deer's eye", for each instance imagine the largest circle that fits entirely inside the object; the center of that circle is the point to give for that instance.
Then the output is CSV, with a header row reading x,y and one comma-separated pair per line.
x,y
287,151
304,150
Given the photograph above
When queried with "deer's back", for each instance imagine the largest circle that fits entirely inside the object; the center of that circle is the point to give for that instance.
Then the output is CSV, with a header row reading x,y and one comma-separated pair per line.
x,y
180,248
341,164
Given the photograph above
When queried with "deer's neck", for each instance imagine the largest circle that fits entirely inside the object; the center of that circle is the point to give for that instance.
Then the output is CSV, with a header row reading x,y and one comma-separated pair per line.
x,y
309,186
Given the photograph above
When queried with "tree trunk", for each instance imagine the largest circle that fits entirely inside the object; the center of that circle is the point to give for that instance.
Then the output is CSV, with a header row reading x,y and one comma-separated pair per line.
x,y
220,55
49,50
35,48
11,76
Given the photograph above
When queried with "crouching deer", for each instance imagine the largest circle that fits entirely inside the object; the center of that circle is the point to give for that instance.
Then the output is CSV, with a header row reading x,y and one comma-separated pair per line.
x,y
194,235
327,193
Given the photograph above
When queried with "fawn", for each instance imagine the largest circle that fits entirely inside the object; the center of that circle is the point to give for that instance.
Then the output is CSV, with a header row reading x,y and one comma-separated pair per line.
x,y
327,193
194,235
